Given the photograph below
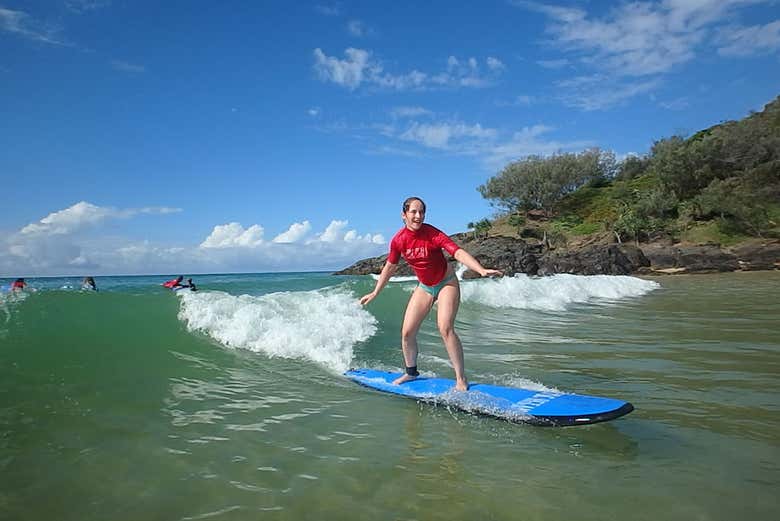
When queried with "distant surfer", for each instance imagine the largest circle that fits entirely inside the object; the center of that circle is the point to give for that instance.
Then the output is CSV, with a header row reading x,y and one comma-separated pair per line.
x,y
18,285
173,283
421,246
190,285
88,284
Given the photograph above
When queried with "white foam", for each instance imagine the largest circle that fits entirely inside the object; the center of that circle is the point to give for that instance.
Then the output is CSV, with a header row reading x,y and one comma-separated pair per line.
x,y
321,326
554,293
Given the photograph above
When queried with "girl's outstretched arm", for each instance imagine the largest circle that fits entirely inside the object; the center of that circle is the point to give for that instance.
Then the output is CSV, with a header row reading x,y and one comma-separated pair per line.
x,y
473,264
387,271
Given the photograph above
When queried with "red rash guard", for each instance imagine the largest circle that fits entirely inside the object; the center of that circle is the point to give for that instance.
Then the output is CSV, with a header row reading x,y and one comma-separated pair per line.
x,y
422,251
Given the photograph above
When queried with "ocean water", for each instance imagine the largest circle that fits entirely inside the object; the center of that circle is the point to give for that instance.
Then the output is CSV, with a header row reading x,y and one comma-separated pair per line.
x,y
228,403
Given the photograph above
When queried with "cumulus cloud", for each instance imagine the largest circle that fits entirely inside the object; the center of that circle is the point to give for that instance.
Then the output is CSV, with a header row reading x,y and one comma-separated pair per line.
x,y
233,235
349,72
65,240
295,233
82,215
359,67
70,242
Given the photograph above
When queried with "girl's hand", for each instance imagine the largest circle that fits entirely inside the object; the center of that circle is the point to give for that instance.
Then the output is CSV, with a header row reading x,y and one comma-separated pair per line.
x,y
365,299
493,273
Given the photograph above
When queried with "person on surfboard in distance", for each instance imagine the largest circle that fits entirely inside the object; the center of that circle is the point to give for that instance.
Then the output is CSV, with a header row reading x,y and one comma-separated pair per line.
x,y
420,245
173,283
18,285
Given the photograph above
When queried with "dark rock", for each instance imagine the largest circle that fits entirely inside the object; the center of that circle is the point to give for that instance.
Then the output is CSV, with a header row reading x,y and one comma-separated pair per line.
x,y
707,258
758,255
512,255
504,253
612,259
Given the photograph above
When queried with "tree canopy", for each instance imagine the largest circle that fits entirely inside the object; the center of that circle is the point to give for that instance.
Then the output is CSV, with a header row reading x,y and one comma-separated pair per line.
x,y
728,175
540,183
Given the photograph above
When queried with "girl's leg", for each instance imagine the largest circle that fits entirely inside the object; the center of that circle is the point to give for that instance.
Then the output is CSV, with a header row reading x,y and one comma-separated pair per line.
x,y
449,301
416,310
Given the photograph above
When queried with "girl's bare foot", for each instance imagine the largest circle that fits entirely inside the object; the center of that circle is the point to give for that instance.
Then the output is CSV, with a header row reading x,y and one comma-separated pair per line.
x,y
462,385
403,378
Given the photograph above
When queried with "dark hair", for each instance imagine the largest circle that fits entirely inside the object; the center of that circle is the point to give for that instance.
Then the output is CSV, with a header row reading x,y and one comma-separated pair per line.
x,y
409,201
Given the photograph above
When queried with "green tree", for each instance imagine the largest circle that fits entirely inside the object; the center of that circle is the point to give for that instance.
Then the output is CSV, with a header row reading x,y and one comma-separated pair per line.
x,y
540,183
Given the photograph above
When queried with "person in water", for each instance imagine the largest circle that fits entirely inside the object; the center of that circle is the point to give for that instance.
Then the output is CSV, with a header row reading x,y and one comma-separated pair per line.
x,y
190,285
18,285
89,284
173,283
421,246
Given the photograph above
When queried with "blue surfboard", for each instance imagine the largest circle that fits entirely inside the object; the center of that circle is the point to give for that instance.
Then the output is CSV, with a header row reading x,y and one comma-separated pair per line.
x,y
513,404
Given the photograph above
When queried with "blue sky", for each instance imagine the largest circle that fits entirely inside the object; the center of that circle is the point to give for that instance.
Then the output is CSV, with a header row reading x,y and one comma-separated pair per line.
x,y
167,137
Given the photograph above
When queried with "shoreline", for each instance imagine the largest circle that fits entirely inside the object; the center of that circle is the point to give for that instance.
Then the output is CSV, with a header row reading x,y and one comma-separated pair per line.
x,y
658,259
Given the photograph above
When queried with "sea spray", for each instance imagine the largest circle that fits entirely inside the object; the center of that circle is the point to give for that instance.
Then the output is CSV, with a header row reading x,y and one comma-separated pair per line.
x,y
554,293
321,325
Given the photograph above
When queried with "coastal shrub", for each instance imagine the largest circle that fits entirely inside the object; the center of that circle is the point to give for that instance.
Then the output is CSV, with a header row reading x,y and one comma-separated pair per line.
x,y
540,183
586,228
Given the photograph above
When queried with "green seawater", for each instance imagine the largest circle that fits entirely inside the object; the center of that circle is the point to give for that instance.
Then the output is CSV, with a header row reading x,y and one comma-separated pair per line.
x,y
135,403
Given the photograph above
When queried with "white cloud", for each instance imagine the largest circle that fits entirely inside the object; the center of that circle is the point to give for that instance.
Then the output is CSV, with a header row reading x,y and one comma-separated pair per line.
x,y
600,92
528,142
441,135
66,240
82,215
295,233
748,41
348,72
359,67
334,231
234,235
638,38
314,112
22,24
57,245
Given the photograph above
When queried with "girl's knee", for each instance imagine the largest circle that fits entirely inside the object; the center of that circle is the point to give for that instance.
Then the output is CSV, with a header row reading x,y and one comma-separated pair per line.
x,y
446,330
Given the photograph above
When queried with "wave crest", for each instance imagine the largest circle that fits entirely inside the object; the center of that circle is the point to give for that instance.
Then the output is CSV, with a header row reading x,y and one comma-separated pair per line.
x,y
321,325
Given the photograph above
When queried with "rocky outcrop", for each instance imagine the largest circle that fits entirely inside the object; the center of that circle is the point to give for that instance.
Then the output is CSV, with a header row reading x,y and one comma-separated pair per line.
x,y
707,258
611,259
758,255
512,256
